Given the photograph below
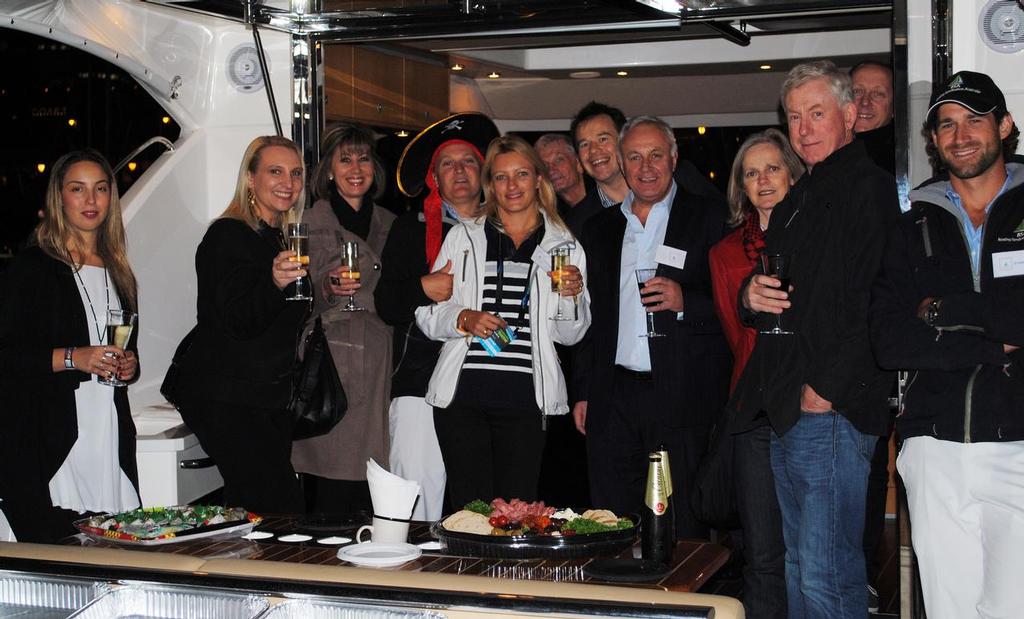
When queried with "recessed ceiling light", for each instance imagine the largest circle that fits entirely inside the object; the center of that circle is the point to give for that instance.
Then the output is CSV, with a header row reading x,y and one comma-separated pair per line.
x,y
702,130
622,73
584,75
402,133
494,75
766,67
457,67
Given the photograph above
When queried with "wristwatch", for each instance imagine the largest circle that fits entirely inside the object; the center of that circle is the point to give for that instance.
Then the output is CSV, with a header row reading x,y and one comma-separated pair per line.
x,y
931,313
69,363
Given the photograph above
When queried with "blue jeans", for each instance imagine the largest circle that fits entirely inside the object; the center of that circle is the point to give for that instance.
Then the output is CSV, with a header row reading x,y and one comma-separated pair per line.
x,y
821,470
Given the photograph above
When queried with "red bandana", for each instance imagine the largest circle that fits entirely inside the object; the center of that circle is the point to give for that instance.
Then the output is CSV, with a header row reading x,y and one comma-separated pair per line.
x,y
432,204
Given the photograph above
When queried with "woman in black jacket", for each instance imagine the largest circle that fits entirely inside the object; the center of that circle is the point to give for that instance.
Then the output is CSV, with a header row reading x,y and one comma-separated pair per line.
x,y
235,377
67,442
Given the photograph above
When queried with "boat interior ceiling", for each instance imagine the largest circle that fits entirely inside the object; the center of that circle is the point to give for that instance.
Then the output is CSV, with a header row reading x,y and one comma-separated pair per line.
x,y
694,62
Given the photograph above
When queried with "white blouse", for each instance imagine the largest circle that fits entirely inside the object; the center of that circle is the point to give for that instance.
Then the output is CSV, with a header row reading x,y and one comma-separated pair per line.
x,y
91,479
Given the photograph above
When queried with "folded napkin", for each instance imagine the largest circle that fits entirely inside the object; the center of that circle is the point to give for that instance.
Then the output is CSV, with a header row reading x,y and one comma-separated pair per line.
x,y
392,496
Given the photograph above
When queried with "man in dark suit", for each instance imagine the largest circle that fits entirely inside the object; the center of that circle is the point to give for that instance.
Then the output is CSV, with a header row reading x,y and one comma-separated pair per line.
x,y
641,392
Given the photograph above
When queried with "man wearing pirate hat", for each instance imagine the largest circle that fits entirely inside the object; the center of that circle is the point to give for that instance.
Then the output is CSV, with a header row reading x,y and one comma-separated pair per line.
x,y
949,307
446,157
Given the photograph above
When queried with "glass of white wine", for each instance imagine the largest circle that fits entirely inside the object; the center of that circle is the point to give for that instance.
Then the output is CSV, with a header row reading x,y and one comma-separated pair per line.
x,y
559,260
350,258
298,242
120,324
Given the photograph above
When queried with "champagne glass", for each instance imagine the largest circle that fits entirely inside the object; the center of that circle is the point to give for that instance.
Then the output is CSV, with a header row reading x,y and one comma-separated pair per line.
x,y
350,258
642,276
298,242
777,266
559,260
120,324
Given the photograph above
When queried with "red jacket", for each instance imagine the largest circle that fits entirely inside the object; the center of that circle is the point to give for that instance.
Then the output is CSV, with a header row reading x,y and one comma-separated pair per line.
x,y
729,267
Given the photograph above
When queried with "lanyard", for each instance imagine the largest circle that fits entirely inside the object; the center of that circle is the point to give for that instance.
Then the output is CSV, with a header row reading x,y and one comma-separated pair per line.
x,y
499,297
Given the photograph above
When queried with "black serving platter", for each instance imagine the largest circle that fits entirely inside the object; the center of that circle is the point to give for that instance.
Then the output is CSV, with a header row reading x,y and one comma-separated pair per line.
x,y
605,544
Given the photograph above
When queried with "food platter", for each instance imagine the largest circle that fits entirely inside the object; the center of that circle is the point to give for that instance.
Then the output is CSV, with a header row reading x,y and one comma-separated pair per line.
x,y
168,525
604,544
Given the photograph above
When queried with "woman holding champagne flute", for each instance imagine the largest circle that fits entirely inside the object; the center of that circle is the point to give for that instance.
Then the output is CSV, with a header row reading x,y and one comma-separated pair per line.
x,y
67,441
498,377
235,379
347,234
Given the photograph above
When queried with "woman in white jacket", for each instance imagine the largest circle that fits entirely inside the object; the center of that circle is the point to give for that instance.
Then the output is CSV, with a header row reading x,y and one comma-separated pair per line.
x,y
498,375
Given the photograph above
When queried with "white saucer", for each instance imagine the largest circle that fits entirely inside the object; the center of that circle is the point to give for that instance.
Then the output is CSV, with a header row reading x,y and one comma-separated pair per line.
x,y
255,535
334,540
373,554
432,545
295,538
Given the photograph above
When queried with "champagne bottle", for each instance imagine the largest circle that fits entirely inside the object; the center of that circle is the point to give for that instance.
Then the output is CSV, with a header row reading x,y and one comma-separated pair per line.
x,y
656,521
667,471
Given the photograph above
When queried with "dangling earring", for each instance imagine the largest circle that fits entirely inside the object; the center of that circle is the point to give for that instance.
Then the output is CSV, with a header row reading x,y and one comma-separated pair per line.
x,y
252,199
330,177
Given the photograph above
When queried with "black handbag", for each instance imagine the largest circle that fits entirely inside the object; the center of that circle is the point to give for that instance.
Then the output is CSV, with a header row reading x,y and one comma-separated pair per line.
x,y
169,388
318,400
713,496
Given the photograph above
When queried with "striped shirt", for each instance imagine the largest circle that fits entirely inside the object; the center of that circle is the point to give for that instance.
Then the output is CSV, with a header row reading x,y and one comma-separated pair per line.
x,y
506,379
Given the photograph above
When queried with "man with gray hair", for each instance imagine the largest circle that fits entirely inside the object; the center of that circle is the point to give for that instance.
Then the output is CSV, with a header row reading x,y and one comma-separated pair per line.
x,y
815,376
564,169
654,383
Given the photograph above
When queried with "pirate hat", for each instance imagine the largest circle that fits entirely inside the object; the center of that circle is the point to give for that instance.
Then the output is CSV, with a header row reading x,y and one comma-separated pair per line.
x,y
413,167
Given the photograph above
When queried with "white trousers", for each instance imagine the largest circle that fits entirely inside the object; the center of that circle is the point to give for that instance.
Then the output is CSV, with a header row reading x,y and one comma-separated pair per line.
x,y
416,455
967,521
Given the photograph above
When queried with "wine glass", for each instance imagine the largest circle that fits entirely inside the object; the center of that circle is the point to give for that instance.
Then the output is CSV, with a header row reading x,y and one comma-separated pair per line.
x,y
777,266
642,276
559,260
350,258
120,324
298,241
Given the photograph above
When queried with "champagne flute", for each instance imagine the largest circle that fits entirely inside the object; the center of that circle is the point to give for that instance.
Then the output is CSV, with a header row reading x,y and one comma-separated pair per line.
x,y
350,258
777,266
642,277
559,260
298,241
120,324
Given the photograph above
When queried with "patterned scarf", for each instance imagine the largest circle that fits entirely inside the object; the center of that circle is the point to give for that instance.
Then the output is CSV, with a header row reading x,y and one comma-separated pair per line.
x,y
753,238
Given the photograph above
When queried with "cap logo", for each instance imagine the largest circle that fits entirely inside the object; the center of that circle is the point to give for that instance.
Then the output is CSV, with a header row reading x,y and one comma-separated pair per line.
x,y
455,125
958,82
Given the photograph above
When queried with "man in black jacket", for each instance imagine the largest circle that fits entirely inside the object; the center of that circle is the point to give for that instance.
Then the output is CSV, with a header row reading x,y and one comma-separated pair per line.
x,y
949,307
826,399
446,157
640,392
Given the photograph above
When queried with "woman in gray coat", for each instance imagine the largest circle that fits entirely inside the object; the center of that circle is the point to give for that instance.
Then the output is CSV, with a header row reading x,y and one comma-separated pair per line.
x,y
346,181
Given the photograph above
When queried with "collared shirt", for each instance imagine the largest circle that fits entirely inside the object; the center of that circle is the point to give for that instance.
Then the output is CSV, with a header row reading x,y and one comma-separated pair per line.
x,y
640,245
974,235
605,200
449,211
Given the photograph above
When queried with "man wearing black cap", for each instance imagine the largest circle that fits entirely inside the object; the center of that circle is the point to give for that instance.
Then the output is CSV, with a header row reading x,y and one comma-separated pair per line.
x,y
949,307
446,157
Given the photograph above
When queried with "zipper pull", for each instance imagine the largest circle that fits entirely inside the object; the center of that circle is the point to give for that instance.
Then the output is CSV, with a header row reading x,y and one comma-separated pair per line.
x,y
465,259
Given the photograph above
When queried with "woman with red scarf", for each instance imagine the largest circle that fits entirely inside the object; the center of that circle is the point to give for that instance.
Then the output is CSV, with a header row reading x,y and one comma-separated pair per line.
x,y
762,173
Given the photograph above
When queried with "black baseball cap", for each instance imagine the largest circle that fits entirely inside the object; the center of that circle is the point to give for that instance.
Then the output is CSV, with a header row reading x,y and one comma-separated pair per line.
x,y
472,127
974,91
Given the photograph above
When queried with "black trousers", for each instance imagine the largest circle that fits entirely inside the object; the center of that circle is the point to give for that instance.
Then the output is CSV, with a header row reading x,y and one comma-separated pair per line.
x,y
490,453
764,550
620,435
874,509
253,450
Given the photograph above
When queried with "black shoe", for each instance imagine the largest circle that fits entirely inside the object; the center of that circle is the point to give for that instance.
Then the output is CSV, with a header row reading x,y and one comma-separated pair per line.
x,y
872,600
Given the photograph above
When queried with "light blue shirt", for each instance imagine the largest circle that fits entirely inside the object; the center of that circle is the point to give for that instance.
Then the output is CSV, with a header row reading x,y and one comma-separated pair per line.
x,y
605,200
640,245
973,235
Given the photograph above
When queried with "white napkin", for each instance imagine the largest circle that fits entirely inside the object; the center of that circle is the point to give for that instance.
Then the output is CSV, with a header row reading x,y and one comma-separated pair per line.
x,y
392,496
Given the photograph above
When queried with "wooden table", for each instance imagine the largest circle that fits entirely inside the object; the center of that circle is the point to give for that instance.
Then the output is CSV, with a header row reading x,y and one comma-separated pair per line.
x,y
694,561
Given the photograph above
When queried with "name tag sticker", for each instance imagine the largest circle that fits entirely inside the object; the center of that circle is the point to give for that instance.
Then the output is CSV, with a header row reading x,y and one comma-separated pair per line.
x,y
670,256
1008,263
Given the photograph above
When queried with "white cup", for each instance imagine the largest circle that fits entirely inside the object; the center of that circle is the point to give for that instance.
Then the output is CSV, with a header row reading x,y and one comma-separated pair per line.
x,y
385,531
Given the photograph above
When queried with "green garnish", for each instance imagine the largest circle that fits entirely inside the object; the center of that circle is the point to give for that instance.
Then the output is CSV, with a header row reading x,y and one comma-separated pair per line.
x,y
479,507
583,526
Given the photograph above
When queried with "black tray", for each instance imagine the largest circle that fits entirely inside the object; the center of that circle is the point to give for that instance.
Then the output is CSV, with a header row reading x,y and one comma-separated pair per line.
x,y
605,544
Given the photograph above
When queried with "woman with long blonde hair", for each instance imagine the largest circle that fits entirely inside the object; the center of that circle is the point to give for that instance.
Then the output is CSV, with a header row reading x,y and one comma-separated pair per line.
x,y
234,381
498,377
67,442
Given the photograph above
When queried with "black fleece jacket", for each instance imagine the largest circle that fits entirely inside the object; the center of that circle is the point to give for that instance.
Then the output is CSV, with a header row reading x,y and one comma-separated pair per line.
x,y
962,387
